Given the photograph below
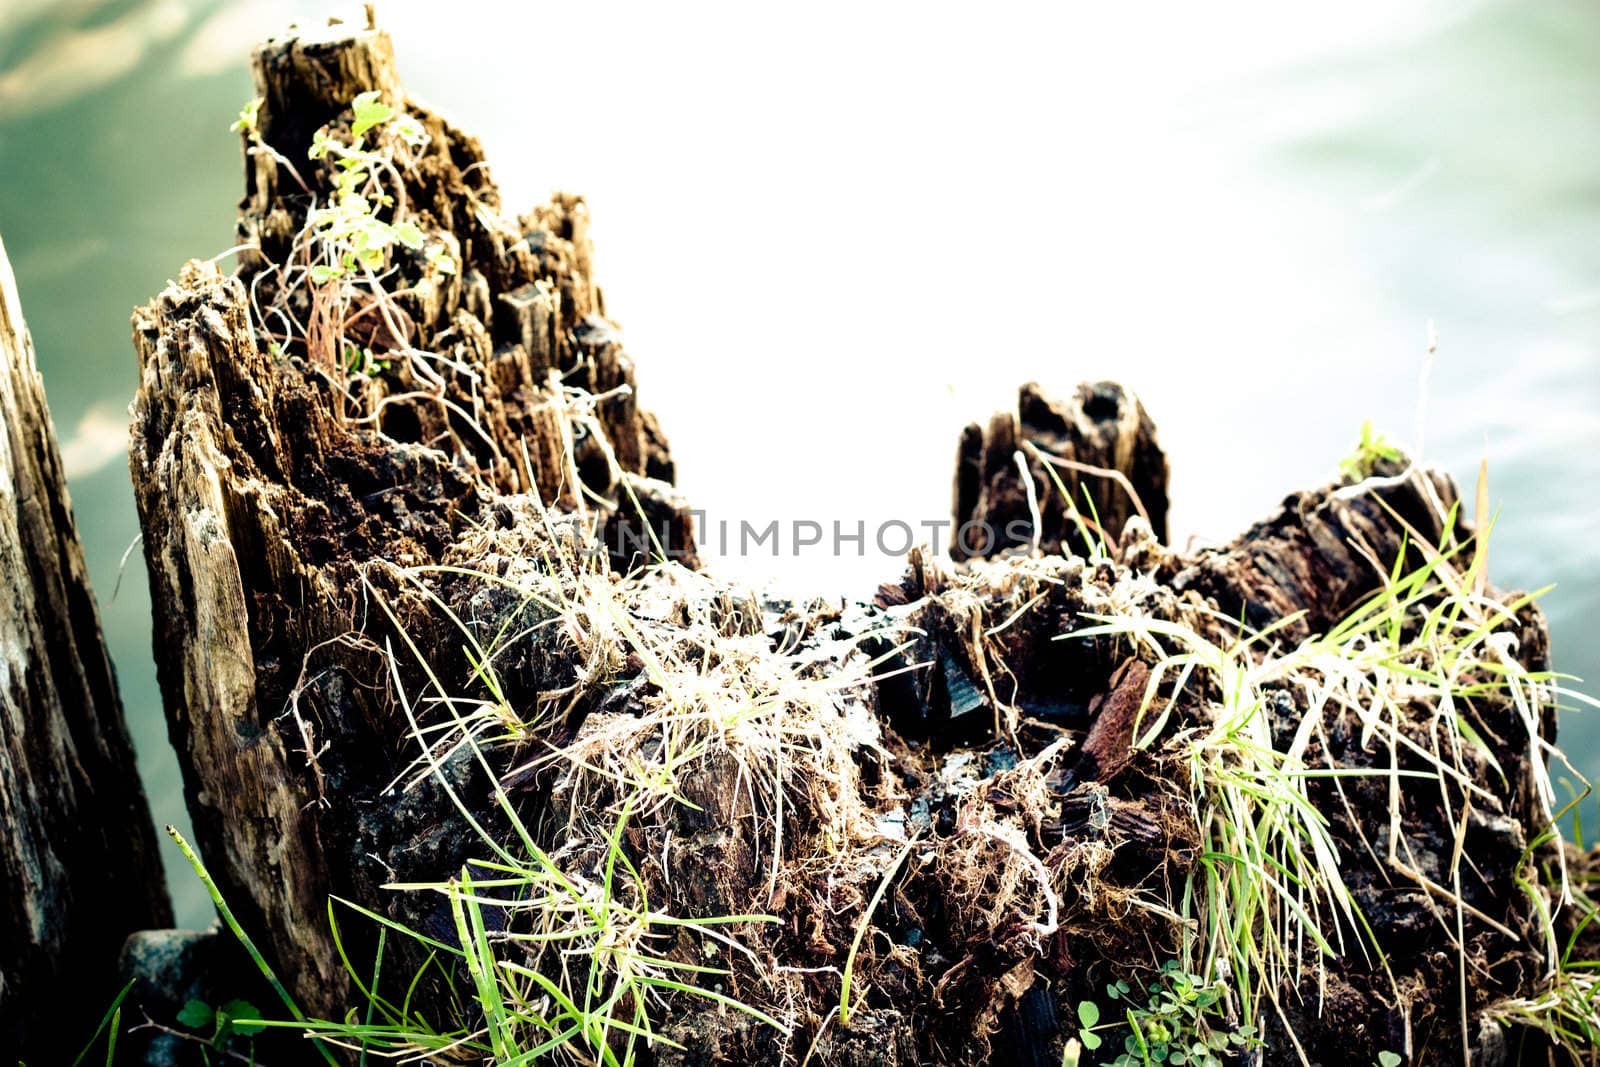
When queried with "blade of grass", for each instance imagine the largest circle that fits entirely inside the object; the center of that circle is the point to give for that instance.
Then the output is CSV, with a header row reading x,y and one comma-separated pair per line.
x,y
861,932
244,939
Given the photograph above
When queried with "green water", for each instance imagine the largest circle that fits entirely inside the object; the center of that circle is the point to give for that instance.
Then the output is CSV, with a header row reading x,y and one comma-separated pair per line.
x,y
887,218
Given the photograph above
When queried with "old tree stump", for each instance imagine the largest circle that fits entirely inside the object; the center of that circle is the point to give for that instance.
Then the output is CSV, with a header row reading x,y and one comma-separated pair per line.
x,y
371,486
490,770
78,863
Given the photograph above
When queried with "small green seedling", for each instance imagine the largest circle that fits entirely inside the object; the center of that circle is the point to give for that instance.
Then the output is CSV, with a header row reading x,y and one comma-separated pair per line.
x,y
225,1023
369,111
1390,1059
344,249
248,122
351,233
360,362
1180,1021
1089,1018
1373,449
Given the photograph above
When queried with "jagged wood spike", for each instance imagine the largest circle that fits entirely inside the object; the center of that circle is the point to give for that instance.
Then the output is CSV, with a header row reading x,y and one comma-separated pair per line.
x,y
79,867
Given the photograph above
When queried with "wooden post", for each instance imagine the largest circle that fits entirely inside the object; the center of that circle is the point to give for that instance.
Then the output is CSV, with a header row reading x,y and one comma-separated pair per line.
x,y
79,870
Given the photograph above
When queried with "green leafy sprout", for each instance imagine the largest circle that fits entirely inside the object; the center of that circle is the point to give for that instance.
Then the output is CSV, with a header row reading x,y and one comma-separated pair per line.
x,y
248,122
1373,449
235,1019
359,360
351,233
1178,1020
347,242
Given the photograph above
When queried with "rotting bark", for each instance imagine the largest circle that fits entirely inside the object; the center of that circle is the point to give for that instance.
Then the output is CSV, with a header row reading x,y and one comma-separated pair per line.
x,y
79,870
1310,563
334,556
263,498
1093,463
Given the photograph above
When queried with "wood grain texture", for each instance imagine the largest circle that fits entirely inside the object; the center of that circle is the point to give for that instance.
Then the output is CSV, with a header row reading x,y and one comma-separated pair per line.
x,y
268,506
1099,445
79,869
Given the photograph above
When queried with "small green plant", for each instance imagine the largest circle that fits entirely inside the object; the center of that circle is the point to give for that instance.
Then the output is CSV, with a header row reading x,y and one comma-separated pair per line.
x,y
235,1019
349,229
1373,449
1179,1020
225,913
248,122
1390,1059
338,266
360,362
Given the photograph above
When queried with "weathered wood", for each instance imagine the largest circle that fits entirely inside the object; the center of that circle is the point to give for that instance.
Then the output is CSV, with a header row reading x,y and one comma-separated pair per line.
x,y
1322,551
267,502
966,708
1099,446
79,870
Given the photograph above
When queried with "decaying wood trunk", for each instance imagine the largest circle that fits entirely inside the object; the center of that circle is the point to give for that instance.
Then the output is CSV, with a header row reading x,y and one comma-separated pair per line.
x,y
263,499
79,870
331,551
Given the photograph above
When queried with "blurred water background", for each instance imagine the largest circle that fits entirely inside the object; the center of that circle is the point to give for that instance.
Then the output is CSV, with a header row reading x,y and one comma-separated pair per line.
x,y
836,232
